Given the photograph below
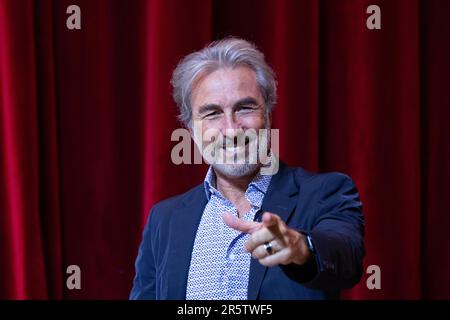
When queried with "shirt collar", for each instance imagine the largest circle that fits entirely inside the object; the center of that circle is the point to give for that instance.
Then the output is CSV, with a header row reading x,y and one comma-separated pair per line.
x,y
210,182
259,183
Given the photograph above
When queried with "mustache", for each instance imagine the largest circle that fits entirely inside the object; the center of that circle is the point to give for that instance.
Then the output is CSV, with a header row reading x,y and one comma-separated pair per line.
x,y
233,141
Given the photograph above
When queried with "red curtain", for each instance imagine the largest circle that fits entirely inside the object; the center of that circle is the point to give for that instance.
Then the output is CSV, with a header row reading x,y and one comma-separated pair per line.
x,y
86,118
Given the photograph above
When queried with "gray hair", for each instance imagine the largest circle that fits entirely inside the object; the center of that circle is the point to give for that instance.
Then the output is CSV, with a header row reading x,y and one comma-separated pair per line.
x,y
228,52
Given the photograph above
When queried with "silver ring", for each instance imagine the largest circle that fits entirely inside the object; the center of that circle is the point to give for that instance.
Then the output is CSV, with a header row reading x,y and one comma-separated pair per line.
x,y
268,247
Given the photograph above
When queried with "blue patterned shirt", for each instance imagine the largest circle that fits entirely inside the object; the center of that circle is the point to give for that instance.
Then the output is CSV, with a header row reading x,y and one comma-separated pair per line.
x,y
220,266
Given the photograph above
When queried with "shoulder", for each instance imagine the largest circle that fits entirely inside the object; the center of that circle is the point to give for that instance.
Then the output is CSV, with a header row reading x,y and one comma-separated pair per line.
x,y
329,190
308,179
167,206
323,187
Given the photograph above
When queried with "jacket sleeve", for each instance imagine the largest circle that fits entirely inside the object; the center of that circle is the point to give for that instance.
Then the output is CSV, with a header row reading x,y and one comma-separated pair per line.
x,y
144,281
337,235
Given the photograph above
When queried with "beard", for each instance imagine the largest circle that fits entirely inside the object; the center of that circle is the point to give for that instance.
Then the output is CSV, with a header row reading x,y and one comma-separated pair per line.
x,y
236,170
238,153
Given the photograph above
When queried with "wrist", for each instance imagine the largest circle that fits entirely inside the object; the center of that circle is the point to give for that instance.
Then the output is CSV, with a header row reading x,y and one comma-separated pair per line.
x,y
306,250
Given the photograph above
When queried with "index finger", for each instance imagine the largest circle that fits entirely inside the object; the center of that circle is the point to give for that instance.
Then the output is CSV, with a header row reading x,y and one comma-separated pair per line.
x,y
274,223
239,224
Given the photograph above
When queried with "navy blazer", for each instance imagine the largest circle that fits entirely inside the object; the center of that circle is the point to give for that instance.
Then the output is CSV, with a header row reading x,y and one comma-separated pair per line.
x,y
325,206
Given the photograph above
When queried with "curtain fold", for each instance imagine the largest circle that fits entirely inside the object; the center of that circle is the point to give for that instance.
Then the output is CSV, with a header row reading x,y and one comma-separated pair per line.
x,y
86,118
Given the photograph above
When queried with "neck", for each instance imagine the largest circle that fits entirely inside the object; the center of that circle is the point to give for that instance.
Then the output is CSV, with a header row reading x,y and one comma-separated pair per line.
x,y
233,188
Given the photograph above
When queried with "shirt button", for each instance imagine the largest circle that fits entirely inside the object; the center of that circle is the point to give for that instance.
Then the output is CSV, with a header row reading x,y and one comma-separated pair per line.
x,y
232,256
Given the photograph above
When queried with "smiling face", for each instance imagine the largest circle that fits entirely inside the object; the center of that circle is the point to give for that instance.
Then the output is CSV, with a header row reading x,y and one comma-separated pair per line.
x,y
227,105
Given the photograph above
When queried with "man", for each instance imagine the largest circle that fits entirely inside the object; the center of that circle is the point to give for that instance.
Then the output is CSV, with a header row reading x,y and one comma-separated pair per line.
x,y
243,233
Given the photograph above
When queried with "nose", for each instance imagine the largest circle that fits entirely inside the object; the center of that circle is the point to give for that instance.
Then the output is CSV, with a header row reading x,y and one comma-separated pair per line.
x,y
230,121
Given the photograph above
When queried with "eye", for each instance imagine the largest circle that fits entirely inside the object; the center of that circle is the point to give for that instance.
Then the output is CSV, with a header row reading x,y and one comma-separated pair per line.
x,y
212,115
246,108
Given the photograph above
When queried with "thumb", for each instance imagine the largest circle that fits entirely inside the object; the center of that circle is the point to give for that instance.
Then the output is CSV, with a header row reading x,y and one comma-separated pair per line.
x,y
239,224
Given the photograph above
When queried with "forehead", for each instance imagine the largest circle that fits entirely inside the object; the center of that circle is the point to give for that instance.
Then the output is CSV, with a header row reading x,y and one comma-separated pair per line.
x,y
226,85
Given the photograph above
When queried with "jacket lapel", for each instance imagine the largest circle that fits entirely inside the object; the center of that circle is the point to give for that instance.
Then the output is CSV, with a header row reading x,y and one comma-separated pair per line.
x,y
186,220
281,199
